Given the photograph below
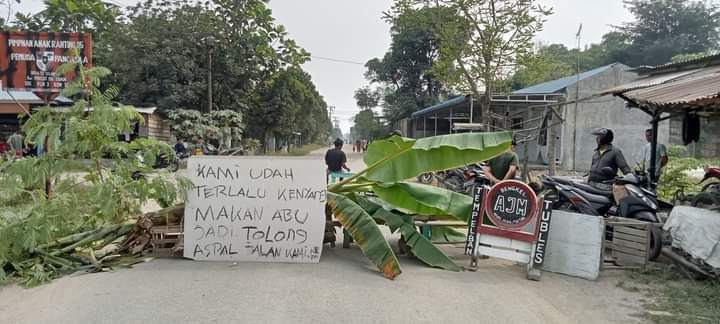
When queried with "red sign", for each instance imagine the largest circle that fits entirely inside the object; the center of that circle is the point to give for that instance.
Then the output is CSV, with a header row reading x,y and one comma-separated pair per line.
x,y
511,204
30,60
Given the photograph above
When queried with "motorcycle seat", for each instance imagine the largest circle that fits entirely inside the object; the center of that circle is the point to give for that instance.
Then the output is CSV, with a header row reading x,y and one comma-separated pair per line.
x,y
593,190
592,197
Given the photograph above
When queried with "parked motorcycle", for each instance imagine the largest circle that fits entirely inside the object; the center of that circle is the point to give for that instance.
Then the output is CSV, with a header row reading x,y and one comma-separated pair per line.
x,y
625,196
709,196
461,180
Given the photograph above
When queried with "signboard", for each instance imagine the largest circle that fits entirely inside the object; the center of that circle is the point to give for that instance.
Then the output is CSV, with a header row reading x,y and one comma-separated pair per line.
x,y
28,61
538,256
476,216
511,204
255,209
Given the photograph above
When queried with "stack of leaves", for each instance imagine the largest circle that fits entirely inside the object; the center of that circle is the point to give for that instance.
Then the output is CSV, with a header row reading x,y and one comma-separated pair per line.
x,y
381,194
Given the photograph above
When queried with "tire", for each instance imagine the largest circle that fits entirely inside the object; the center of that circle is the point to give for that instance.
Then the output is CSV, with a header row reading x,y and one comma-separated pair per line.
x,y
655,233
426,178
707,200
711,187
174,166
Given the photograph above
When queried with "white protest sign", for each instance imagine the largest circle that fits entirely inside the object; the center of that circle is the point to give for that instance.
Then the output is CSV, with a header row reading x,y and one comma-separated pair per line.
x,y
265,209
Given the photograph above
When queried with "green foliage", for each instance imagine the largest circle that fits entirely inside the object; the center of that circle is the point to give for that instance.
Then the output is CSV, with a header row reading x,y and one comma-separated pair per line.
x,y
405,73
675,174
367,126
222,125
664,29
45,201
379,192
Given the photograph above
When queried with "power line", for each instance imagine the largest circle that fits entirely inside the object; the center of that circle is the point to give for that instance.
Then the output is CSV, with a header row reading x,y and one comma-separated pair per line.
x,y
337,60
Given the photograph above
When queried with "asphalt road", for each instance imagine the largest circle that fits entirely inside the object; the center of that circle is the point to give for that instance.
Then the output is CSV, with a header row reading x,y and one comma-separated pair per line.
x,y
343,288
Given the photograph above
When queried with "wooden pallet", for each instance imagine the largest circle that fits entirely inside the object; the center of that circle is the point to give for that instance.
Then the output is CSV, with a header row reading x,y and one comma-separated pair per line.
x,y
166,240
626,243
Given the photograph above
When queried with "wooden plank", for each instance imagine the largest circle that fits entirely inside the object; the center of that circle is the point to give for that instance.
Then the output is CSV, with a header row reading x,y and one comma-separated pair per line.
x,y
628,250
628,237
630,231
630,244
628,259
504,254
506,243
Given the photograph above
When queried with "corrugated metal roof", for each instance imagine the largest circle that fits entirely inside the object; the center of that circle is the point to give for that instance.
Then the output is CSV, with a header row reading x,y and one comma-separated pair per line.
x,y
674,65
703,84
686,87
559,84
452,102
19,96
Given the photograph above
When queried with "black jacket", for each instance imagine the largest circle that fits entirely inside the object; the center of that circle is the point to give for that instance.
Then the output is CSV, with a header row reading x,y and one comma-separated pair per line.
x,y
612,158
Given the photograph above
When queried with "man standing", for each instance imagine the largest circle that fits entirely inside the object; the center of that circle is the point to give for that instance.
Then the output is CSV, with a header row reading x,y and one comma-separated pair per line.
x,y
16,142
503,166
661,157
180,149
606,156
335,158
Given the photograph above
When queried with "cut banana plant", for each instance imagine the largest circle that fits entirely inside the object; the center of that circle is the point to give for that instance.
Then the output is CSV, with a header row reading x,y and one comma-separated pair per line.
x,y
380,193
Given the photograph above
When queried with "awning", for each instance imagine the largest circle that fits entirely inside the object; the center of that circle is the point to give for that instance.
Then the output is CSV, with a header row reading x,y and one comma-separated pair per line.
x,y
25,97
696,88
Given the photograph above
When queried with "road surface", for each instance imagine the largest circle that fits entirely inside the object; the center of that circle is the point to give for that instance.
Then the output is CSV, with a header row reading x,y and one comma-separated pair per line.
x,y
343,288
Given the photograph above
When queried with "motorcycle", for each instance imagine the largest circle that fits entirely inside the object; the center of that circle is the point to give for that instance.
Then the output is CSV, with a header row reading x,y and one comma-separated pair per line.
x,y
163,161
709,196
461,180
625,196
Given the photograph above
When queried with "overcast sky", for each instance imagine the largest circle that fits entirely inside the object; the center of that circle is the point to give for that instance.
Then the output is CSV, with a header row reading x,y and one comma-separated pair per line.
x,y
352,30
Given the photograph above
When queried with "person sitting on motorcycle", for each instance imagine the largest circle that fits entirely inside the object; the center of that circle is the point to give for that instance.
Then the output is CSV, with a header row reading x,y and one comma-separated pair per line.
x,y
180,148
503,166
606,155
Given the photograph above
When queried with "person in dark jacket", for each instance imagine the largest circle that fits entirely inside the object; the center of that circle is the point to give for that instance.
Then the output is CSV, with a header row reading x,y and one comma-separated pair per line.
x,y
606,155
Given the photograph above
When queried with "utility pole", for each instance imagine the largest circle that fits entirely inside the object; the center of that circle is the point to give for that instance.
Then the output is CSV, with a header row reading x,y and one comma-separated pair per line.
x,y
577,97
210,42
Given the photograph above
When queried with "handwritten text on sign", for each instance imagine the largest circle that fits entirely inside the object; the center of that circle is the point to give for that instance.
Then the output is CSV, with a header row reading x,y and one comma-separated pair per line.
x,y
255,209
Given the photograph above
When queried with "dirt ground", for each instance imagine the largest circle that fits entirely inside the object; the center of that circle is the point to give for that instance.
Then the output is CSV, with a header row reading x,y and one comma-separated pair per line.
x,y
343,288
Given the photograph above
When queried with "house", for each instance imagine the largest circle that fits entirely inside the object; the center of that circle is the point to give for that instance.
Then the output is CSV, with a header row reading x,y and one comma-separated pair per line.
x,y
12,105
685,93
527,111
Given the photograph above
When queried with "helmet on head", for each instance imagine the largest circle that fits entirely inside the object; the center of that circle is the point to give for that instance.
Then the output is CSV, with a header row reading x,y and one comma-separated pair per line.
x,y
606,135
338,142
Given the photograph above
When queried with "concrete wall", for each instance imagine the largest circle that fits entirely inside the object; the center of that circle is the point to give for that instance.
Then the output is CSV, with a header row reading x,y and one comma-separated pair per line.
x,y
628,124
709,144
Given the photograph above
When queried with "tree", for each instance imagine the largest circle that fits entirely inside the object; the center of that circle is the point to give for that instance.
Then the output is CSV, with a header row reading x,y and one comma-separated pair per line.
x,y
663,29
405,73
367,98
547,63
160,54
222,125
484,44
290,104
367,126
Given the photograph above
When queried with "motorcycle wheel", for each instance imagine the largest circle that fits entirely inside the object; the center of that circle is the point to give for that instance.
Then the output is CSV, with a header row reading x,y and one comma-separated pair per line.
x,y
174,166
711,187
655,234
707,200
426,178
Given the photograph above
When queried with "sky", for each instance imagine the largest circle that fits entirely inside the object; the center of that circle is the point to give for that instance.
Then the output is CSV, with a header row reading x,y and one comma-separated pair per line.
x,y
353,32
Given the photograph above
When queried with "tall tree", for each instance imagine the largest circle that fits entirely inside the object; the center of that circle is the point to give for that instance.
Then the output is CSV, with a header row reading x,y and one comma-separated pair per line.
x,y
483,45
405,73
663,29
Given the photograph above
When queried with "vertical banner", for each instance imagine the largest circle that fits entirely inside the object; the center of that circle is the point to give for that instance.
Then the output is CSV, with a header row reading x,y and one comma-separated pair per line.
x,y
255,209
475,218
29,61
538,256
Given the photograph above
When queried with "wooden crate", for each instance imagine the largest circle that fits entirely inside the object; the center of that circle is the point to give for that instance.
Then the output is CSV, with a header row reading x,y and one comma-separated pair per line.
x,y
166,240
626,243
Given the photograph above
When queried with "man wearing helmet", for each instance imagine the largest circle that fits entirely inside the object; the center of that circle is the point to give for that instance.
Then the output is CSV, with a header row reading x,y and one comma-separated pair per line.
x,y
606,156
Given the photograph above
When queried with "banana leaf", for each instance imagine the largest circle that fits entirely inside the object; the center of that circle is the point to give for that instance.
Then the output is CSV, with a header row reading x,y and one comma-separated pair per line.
x,y
420,246
366,233
397,158
425,200
446,234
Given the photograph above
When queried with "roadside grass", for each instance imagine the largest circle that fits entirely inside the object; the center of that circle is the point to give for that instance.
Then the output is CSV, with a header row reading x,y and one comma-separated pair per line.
x,y
305,150
673,298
